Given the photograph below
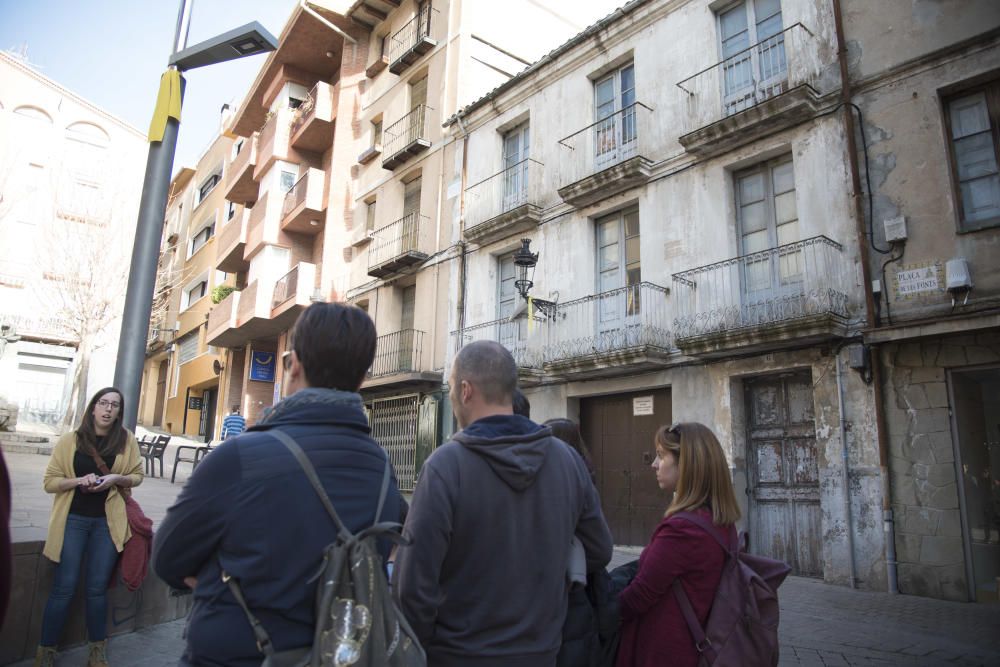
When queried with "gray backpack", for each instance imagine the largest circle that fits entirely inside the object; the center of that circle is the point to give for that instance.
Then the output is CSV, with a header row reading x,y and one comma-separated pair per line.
x,y
357,621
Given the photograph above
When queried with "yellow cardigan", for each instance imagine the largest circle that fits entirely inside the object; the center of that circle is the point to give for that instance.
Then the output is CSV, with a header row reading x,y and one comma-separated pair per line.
x,y
128,463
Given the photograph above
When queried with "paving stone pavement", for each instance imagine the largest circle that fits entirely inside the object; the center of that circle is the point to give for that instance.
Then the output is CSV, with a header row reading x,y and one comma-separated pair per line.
x,y
821,624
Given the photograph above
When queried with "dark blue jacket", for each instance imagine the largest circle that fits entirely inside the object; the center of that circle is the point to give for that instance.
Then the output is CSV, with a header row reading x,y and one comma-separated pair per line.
x,y
249,506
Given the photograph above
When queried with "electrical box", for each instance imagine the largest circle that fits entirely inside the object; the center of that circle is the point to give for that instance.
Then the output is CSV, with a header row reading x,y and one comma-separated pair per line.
x,y
956,275
857,357
876,286
895,229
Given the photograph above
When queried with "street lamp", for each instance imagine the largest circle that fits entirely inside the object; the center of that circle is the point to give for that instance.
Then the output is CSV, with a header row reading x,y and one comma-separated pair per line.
x,y
526,261
247,40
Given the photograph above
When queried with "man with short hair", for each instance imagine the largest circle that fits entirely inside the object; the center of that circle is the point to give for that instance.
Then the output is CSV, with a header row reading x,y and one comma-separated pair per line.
x,y
483,582
248,508
233,424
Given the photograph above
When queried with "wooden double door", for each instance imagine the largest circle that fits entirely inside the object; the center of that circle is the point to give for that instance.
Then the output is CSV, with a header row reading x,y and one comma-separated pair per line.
x,y
619,432
785,521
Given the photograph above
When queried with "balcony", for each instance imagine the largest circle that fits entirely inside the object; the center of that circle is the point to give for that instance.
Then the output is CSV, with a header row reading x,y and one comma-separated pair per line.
x,y
264,226
312,122
606,157
240,184
292,294
304,207
231,243
504,204
761,90
413,40
372,12
397,247
52,329
524,345
625,330
274,142
405,138
222,322
788,295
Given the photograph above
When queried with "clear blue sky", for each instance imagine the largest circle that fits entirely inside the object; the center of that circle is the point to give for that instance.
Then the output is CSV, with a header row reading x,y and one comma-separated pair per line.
x,y
112,52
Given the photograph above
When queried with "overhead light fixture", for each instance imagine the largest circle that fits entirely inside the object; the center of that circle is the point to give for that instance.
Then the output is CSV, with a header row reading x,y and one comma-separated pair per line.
x,y
248,40
526,261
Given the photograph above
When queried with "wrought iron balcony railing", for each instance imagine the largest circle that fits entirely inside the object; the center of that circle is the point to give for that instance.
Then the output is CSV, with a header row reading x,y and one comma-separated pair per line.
x,y
747,78
515,186
781,284
396,246
604,143
295,195
397,352
525,346
405,138
613,321
412,40
286,287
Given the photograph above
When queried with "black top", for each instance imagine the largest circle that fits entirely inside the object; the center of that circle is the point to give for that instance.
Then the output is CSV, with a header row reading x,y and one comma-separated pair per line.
x,y
86,503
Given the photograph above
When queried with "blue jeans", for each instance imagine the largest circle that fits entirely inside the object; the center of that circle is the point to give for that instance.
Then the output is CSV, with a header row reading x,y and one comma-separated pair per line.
x,y
90,536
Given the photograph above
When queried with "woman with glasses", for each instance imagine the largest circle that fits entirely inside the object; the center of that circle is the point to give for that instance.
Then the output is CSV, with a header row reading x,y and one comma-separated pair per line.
x,y
88,522
692,469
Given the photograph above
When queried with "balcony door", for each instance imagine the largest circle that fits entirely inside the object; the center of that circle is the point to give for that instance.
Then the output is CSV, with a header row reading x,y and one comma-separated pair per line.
x,y
754,66
509,334
406,335
410,225
614,116
516,144
618,276
770,271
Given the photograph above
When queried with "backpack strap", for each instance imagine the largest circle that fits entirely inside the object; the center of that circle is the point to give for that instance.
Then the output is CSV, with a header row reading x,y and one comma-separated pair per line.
x,y
709,528
259,633
701,642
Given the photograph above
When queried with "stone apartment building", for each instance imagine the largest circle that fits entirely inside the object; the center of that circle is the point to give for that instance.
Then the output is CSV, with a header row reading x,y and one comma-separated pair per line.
x,y
181,378
699,250
337,175
70,178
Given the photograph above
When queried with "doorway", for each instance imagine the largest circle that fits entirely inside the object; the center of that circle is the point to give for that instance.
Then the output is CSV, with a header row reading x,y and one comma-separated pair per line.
x,y
206,425
619,432
975,397
161,393
784,520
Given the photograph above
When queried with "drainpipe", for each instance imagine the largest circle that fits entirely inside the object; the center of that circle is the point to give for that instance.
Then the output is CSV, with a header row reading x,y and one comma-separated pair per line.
x,y
460,305
859,216
312,12
846,473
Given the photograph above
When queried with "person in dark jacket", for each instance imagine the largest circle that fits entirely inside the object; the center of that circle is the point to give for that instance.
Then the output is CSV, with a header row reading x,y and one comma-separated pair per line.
x,y
692,470
483,582
249,509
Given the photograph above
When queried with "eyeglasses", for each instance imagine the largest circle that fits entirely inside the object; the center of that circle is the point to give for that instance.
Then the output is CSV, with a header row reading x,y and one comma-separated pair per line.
x,y
108,404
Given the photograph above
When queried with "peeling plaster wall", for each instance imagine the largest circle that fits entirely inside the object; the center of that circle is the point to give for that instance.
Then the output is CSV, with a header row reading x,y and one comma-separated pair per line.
x,y
925,502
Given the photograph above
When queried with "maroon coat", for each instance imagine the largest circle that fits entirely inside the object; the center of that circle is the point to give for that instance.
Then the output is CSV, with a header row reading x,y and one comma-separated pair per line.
x,y
654,633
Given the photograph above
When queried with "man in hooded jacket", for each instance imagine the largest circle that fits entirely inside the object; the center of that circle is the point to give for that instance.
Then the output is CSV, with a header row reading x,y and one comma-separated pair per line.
x,y
484,582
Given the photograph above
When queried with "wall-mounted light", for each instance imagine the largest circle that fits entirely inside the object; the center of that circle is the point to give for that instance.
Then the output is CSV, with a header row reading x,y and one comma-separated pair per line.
x,y
526,261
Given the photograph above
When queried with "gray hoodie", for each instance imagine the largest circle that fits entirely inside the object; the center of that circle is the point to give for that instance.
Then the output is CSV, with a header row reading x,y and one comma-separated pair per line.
x,y
492,520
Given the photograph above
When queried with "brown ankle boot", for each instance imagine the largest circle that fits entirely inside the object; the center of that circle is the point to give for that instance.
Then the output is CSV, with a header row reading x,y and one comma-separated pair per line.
x,y
45,657
97,654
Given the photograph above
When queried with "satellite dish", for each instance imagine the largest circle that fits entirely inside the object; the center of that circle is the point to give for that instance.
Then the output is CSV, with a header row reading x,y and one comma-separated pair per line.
x,y
217,366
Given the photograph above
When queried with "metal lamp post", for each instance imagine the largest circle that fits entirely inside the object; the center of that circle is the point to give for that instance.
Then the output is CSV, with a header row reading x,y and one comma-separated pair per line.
x,y
247,40
526,261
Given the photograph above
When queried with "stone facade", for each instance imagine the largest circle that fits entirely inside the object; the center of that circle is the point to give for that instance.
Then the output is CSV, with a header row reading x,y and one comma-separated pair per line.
x,y
925,494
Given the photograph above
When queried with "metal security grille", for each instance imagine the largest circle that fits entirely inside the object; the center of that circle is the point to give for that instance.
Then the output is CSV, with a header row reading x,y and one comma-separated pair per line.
x,y
394,426
188,347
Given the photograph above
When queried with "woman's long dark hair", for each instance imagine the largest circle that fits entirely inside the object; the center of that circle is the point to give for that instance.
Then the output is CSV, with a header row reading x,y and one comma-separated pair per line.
x,y
567,431
86,434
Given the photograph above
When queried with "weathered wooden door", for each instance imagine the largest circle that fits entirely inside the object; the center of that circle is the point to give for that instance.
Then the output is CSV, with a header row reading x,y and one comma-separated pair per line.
x,y
784,519
621,446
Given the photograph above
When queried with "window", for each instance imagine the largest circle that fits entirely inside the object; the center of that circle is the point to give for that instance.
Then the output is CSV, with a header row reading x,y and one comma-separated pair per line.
x,y
508,333
188,347
973,122
768,218
516,144
614,109
370,215
377,132
418,93
753,51
618,266
230,210
288,179
208,185
294,103
195,292
201,238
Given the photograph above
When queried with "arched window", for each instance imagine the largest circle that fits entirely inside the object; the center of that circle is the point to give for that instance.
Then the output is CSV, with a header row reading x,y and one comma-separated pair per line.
x,y
33,112
88,133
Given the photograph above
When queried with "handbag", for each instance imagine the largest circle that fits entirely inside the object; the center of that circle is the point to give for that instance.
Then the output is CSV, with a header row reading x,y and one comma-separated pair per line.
x,y
133,563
